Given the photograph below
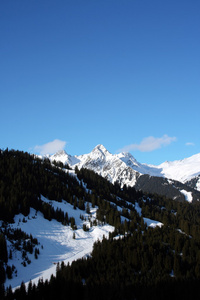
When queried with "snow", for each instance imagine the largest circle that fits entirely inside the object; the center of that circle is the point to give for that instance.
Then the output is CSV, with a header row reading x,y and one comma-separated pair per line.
x,y
138,208
56,243
198,185
182,170
124,168
152,223
64,158
118,167
188,195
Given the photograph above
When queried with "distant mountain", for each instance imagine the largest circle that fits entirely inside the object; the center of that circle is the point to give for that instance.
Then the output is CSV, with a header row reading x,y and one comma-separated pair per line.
x,y
194,182
182,170
178,180
122,167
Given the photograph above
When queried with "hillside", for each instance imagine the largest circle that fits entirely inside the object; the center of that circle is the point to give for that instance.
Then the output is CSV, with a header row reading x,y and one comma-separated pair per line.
x,y
110,243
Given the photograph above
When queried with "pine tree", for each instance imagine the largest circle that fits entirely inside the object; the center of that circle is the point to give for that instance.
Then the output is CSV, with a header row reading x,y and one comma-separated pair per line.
x,y
3,248
88,208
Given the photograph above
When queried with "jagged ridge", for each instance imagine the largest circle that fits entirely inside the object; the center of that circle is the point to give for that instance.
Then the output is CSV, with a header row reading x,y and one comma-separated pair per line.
x,y
126,170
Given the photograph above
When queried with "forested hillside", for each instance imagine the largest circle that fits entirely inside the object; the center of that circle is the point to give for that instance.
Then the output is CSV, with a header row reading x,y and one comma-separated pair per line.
x,y
136,262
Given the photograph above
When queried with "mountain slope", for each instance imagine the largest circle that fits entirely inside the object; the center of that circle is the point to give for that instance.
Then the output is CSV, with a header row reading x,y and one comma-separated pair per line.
x,y
43,218
100,159
124,169
56,242
182,170
167,187
50,214
56,214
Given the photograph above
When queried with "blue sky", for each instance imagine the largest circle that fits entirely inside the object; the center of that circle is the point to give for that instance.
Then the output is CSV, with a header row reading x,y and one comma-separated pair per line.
x,y
125,74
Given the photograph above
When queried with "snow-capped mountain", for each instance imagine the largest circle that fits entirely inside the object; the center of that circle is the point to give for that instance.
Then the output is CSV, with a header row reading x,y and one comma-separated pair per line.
x,y
182,170
125,169
64,158
122,167
110,166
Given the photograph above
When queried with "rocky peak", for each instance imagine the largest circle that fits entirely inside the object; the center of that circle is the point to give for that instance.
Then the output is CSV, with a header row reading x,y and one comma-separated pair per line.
x,y
100,149
61,153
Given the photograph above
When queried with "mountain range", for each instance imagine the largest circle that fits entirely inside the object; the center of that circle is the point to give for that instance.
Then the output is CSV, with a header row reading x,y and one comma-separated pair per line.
x,y
179,179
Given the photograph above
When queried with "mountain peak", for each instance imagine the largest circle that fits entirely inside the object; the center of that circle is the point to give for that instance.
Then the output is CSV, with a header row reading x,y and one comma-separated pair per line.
x,y
129,159
100,148
124,168
60,153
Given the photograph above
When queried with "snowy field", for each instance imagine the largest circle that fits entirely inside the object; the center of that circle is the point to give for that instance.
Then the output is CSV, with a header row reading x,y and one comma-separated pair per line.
x,y
56,243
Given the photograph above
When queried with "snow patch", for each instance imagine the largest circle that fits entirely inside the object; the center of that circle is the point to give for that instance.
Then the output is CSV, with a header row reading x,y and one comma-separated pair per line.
x,y
152,223
198,185
188,195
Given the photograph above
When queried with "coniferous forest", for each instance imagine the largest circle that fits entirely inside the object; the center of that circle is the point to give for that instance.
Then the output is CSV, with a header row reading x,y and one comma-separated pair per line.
x,y
135,262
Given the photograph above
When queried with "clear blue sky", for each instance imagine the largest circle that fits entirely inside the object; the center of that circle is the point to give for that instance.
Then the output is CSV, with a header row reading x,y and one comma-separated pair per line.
x,y
125,74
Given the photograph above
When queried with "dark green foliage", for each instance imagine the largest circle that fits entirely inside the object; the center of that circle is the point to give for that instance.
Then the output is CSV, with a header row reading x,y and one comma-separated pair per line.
x,y
73,223
59,164
161,186
104,189
87,208
137,265
183,215
3,248
85,228
36,253
2,273
24,178
9,272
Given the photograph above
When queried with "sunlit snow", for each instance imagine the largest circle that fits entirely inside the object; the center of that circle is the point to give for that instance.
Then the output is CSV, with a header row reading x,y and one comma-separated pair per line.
x,y
56,243
152,223
124,168
188,195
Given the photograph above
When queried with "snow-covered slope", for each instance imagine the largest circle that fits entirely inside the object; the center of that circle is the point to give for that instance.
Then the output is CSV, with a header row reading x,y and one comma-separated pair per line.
x,y
122,167
64,158
56,242
109,166
182,170
125,169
